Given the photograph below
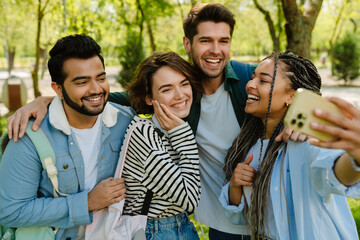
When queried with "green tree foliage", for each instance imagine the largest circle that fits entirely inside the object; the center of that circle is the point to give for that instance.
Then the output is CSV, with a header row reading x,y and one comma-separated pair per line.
x,y
346,58
132,53
13,25
140,18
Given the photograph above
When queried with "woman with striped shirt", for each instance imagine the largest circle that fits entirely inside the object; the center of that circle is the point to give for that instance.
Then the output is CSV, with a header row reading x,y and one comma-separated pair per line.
x,y
162,156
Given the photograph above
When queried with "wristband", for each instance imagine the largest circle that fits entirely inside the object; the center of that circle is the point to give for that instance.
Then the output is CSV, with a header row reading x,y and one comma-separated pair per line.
x,y
354,164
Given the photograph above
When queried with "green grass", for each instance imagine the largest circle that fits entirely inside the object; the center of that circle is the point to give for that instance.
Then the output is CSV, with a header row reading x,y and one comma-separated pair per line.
x,y
355,209
198,229
2,125
353,203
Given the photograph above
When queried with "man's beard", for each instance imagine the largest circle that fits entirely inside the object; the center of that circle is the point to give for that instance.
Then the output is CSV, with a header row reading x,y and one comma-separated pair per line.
x,y
205,75
82,108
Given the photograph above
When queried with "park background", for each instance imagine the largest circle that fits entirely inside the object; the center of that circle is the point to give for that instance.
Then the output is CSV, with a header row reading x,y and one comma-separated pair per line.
x,y
327,32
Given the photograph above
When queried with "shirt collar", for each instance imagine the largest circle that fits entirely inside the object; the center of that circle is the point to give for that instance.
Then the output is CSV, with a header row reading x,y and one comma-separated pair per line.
x,y
59,120
229,74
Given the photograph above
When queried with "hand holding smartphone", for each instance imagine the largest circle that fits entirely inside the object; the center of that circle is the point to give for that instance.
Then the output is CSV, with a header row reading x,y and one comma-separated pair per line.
x,y
300,113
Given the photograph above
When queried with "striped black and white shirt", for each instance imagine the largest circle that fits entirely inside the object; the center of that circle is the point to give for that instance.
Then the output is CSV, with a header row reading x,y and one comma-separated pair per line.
x,y
167,164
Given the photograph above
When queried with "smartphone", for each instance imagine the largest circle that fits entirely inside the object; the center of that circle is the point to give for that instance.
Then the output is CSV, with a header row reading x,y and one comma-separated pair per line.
x,y
300,113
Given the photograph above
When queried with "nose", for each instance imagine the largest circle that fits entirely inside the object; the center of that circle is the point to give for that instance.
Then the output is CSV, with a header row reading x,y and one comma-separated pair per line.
x,y
251,84
95,87
178,93
215,49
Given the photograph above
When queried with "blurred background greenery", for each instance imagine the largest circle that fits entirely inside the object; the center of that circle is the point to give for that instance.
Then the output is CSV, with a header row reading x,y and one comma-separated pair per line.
x,y
327,32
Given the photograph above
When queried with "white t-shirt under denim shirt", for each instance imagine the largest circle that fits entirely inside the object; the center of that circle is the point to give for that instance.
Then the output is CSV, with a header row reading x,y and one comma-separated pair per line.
x,y
88,141
216,131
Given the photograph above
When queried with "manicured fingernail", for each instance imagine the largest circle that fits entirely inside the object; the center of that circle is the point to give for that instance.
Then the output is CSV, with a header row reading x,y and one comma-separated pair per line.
x,y
35,128
314,125
318,111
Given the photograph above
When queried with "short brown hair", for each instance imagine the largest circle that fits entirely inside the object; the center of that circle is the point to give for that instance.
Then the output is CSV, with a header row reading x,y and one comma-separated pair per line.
x,y
214,12
141,85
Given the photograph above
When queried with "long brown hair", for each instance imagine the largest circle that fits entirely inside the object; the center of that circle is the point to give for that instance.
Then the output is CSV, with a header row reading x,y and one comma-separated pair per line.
x,y
302,73
141,84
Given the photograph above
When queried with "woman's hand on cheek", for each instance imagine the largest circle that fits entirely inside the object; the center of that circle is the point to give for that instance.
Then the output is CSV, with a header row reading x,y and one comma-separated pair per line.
x,y
165,117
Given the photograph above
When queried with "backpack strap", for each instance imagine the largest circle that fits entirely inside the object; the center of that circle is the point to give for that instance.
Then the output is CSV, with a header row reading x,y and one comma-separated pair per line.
x,y
122,157
46,154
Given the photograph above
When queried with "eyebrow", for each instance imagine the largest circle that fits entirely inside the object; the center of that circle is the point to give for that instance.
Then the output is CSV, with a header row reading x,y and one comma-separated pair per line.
x,y
265,74
86,77
208,37
169,85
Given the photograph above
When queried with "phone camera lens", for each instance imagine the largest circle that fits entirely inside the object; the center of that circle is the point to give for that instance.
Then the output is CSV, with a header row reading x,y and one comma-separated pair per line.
x,y
293,121
300,124
299,116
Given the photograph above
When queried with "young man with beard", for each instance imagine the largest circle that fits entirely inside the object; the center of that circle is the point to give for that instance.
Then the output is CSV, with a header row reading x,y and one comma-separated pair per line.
x,y
86,133
216,118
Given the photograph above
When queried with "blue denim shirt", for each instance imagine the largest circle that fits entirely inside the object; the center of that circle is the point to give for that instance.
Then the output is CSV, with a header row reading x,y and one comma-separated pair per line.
x,y
26,193
315,200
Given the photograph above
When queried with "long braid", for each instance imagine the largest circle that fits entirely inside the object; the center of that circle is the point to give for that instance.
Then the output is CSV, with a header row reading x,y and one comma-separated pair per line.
x,y
302,74
257,216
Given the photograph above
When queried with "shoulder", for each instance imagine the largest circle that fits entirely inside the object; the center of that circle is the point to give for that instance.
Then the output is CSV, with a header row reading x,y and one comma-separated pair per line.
x,y
20,153
301,149
123,110
144,130
241,66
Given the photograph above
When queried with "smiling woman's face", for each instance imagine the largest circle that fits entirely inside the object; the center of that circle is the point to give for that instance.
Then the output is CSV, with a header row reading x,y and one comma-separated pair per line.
x,y
172,89
258,90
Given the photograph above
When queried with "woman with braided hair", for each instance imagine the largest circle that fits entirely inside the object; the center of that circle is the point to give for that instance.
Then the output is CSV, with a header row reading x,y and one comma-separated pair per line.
x,y
291,190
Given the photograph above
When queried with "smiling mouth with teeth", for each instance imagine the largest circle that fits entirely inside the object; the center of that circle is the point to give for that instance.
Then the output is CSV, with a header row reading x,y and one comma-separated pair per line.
x,y
93,98
179,104
253,98
212,60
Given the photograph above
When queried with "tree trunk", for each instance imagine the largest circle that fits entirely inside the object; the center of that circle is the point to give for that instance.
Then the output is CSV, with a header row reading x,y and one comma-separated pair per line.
x,y
44,60
335,30
354,23
10,58
275,39
299,25
151,37
64,16
35,71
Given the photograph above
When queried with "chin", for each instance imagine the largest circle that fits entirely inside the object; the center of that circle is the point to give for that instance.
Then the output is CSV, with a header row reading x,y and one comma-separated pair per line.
x,y
182,114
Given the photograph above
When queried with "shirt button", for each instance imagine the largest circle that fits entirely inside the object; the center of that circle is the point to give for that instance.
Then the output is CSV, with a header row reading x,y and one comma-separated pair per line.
x,y
71,143
276,188
65,166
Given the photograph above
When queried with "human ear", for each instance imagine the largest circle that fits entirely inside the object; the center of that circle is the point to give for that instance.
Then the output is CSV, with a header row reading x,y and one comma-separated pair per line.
x,y
290,97
148,100
58,89
187,44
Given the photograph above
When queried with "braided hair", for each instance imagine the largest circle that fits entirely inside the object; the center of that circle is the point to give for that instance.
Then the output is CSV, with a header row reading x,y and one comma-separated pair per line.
x,y
302,74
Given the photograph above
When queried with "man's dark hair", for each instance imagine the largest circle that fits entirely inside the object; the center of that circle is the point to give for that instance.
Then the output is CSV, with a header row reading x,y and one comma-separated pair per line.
x,y
72,46
214,12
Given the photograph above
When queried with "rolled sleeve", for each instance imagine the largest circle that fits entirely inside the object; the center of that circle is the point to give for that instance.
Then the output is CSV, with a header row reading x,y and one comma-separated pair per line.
x,y
324,178
78,206
232,212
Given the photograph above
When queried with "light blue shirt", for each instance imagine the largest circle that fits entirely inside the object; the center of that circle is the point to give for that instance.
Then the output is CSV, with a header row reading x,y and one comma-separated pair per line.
x,y
26,193
315,206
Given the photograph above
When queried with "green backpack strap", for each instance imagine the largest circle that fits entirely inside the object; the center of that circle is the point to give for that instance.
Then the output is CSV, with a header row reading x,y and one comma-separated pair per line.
x,y
46,154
